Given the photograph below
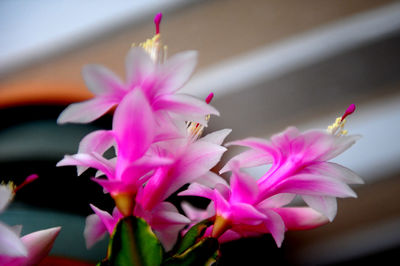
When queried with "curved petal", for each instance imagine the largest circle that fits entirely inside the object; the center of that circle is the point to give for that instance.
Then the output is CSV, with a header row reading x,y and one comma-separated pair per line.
x,y
106,219
184,105
323,204
275,226
335,170
195,214
117,187
260,145
283,139
87,111
89,160
301,218
250,158
39,244
177,70
277,201
95,230
196,161
6,195
217,137
138,66
210,179
10,243
242,213
98,141
101,80
339,145
317,185
167,222
244,188
133,126
199,191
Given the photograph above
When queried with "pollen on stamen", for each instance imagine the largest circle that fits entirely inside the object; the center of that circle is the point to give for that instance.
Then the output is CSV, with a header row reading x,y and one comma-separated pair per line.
x,y
349,111
157,22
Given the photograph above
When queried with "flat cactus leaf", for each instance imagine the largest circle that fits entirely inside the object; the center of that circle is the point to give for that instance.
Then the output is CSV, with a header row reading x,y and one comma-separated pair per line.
x,y
193,235
202,253
133,243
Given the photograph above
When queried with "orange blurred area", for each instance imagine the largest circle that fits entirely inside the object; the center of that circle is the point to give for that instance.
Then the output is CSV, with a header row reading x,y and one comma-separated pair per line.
x,y
20,93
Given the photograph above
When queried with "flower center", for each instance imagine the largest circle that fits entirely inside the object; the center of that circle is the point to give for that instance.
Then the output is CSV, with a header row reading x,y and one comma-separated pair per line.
x,y
337,128
195,129
154,46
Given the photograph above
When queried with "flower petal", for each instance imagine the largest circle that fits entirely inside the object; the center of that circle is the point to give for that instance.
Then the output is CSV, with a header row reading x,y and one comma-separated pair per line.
x,y
39,244
101,80
340,144
95,230
108,221
301,218
250,158
277,200
6,195
195,214
275,226
197,160
210,179
87,111
89,160
98,141
199,191
335,170
133,126
185,105
244,188
323,204
10,243
317,185
138,66
260,145
242,213
177,70
217,137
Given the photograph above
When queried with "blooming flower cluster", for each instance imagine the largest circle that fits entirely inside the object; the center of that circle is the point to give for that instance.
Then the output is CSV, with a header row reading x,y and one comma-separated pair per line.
x,y
29,249
156,135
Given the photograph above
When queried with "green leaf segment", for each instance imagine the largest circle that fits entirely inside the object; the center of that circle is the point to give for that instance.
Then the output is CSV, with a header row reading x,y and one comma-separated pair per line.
x,y
133,243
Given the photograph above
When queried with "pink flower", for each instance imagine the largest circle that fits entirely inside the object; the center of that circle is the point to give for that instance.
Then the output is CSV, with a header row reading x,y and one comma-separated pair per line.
x,y
238,214
192,160
299,165
145,71
133,132
31,248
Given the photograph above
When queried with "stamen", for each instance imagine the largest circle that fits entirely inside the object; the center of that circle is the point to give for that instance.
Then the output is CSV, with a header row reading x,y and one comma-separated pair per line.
x,y
154,46
349,111
196,129
337,128
28,180
157,21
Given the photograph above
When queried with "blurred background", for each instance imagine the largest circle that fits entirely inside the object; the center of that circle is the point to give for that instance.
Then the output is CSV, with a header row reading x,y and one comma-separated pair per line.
x,y
270,63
